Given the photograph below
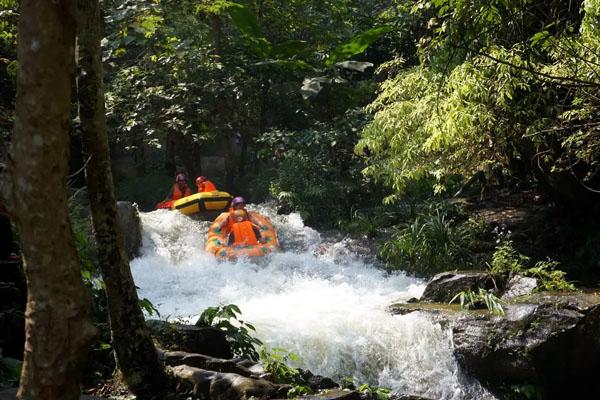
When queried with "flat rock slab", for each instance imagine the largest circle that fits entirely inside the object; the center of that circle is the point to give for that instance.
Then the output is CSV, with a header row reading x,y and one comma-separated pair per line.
x,y
334,394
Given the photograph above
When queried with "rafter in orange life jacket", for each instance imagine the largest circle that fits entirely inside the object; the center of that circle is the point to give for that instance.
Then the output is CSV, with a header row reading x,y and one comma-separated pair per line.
x,y
243,234
206,186
178,194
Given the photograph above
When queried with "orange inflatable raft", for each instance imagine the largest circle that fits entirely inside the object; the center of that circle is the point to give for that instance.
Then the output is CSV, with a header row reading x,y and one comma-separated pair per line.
x,y
216,243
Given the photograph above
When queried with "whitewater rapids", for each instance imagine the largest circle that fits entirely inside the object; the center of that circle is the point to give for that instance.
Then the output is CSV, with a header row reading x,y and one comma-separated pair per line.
x,y
316,298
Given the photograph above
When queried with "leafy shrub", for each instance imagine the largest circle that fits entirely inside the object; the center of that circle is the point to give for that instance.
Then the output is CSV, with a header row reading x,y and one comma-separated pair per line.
x,y
474,300
226,318
315,171
276,363
368,392
430,244
508,260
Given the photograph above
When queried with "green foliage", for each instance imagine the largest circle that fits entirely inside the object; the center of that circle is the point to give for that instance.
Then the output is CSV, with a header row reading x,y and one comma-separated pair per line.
x,y
316,171
148,307
10,371
369,392
146,190
356,45
430,244
237,331
299,390
472,300
276,362
492,92
508,260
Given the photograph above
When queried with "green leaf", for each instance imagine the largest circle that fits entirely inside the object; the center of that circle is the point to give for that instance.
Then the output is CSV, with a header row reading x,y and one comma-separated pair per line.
x,y
356,45
244,20
291,48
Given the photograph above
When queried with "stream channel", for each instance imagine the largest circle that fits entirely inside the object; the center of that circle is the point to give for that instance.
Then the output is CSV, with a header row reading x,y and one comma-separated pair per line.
x,y
317,298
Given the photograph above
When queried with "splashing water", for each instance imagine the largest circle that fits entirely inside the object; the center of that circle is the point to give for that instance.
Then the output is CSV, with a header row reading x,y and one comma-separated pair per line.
x,y
317,299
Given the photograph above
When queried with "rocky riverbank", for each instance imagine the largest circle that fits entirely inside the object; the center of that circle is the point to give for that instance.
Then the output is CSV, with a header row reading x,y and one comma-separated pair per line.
x,y
545,341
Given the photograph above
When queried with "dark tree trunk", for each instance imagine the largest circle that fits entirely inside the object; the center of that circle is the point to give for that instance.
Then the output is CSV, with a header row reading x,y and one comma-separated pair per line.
x,y
170,164
57,326
135,352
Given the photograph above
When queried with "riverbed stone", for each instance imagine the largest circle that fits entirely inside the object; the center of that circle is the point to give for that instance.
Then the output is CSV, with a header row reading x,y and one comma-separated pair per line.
x,y
333,394
129,218
519,285
444,286
549,340
174,358
317,382
224,386
190,339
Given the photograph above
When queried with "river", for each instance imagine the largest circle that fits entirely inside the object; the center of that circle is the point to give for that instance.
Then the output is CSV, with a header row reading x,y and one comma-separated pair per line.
x,y
317,298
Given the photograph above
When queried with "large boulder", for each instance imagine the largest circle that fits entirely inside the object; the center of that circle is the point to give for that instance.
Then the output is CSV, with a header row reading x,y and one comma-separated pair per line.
x,y
518,286
444,286
550,340
175,358
191,339
224,386
128,215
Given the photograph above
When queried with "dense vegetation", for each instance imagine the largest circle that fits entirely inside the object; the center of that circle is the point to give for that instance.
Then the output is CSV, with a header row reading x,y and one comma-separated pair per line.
x,y
353,112
418,124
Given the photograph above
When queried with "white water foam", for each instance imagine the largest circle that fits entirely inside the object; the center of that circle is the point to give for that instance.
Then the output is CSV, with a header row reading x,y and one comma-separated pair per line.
x,y
315,299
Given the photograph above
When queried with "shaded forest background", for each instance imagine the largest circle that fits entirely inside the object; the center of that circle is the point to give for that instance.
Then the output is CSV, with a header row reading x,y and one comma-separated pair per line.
x,y
361,115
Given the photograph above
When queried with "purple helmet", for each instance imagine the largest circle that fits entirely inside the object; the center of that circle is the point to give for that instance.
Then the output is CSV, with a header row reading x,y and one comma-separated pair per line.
x,y
180,177
238,200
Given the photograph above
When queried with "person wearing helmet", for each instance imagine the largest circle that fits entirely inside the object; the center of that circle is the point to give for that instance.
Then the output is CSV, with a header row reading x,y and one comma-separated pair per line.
x,y
180,189
243,232
238,204
204,185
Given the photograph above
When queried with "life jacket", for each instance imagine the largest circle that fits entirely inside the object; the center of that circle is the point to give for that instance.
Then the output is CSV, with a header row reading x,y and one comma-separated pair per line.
x,y
230,218
207,186
243,234
177,194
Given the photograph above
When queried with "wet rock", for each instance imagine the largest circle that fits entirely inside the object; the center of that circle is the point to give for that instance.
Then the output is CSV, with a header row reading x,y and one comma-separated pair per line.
x,y
334,394
255,367
174,358
224,386
519,285
317,382
550,340
191,339
444,286
128,215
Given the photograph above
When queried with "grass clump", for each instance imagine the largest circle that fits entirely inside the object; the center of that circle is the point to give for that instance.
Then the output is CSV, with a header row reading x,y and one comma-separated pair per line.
x,y
432,243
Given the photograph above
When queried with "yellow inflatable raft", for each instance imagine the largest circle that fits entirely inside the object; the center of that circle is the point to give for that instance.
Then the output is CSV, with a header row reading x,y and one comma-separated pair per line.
x,y
205,201
216,242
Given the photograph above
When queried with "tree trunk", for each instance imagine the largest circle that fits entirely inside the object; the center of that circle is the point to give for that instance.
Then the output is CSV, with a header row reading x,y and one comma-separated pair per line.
x,y
57,326
135,352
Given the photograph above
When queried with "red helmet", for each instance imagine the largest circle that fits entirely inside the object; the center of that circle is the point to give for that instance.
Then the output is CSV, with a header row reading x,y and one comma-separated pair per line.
x,y
238,200
200,179
179,178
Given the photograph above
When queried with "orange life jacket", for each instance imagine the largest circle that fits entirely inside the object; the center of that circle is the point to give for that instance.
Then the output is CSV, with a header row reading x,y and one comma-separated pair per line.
x,y
230,218
177,194
243,234
207,186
